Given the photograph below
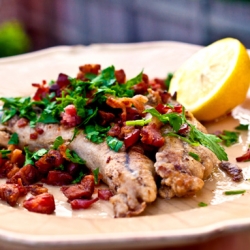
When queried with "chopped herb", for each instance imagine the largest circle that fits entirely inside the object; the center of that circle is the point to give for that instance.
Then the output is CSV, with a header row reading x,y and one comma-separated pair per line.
x,y
195,156
14,140
174,119
202,204
234,192
58,142
114,143
4,153
96,174
75,133
96,133
229,137
73,156
78,178
168,80
38,154
242,127
61,167
141,122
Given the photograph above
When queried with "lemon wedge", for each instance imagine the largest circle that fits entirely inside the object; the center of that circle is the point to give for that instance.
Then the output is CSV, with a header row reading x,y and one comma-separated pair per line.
x,y
214,80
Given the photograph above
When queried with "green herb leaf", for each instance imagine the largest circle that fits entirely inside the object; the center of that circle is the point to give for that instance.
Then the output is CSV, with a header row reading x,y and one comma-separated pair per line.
x,y
168,80
202,204
58,142
4,153
14,140
96,173
74,157
209,141
96,133
234,192
229,137
38,154
28,157
195,156
141,122
78,178
114,143
174,119
242,127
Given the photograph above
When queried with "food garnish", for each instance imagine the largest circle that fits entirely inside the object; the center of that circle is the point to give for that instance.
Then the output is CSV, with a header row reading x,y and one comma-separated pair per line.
x,y
234,192
207,81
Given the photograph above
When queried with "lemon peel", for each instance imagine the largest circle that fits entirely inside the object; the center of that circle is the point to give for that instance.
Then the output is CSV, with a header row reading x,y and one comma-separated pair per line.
x,y
214,80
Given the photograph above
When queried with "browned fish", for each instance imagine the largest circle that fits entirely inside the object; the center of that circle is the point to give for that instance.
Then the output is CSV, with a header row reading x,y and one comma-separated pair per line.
x,y
128,174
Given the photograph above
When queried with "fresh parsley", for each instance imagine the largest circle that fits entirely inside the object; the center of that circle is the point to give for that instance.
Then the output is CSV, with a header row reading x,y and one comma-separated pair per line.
x,y
74,157
96,175
4,153
14,139
58,142
114,143
31,157
195,156
229,137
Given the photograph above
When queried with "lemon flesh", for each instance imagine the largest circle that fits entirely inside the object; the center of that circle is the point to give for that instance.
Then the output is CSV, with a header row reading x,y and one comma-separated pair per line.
x,y
214,80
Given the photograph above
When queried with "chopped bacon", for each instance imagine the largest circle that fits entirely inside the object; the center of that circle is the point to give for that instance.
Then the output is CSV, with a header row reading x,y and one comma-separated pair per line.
x,y
120,76
22,122
104,194
37,189
82,203
163,109
83,190
28,175
244,157
131,138
72,168
52,159
184,129
41,92
58,178
70,118
105,117
133,114
5,167
165,96
43,203
151,135
88,69
232,170
115,130
123,103
62,80
157,84
11,193
40,131
33,136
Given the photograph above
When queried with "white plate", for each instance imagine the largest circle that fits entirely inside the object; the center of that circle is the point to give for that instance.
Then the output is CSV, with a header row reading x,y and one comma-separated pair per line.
x,y
165,222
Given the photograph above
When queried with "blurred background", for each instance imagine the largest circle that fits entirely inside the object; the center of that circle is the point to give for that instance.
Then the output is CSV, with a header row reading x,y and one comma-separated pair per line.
x,y
30,25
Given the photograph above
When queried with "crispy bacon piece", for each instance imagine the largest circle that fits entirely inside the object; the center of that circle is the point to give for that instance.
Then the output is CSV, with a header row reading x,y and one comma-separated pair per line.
x,y
22,122
37,189
232,170
131,138
70,119
83,190
11,193
120,76
42,203
244,157
151,135
51,160
104,194
28,175
58,178
115,130
105,117
123,103
88,69
82,203
41,92
62,80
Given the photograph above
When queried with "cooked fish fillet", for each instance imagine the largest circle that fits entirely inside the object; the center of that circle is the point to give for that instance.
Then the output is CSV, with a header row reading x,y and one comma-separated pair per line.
x,y
128,174
181,174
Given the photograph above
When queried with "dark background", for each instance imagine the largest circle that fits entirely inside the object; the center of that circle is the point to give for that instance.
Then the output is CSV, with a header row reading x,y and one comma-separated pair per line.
x,y
69,22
